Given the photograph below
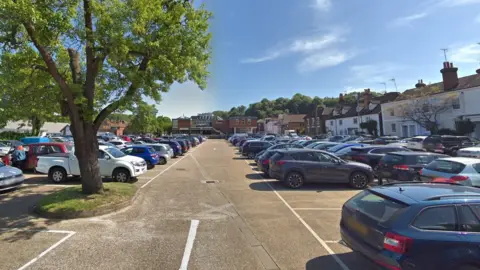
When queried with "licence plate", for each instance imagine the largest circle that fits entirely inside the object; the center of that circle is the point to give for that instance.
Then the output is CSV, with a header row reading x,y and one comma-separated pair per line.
x,y
357,226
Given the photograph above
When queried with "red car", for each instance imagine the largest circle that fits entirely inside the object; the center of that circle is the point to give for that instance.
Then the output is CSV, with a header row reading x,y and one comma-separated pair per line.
x,y
126,138
40,149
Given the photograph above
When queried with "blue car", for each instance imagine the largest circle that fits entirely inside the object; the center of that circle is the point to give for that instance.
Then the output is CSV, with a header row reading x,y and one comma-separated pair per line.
x,y
407,226
177,148
341,146
146,152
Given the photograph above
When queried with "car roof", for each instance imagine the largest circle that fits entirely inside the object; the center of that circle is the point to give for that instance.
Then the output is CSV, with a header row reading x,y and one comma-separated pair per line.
x,y
378,146
418,192
301,150
463,160
46,143
476,148
413,153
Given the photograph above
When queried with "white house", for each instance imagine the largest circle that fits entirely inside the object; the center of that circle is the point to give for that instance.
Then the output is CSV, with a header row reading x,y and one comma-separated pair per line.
x,y
452,99
48,127
272,125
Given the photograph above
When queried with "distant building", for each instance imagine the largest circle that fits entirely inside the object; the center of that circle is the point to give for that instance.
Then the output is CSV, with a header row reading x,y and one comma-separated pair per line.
x,y
115,127
48,127
201,123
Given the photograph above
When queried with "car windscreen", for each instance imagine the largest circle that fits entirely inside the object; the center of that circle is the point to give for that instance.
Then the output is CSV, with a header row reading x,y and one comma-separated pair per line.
x,y
114,152
446,166
393,159
378,208
336,148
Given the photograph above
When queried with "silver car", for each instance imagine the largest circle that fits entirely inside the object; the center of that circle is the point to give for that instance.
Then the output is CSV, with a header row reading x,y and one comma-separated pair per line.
x,y
460,170
164,151
10,177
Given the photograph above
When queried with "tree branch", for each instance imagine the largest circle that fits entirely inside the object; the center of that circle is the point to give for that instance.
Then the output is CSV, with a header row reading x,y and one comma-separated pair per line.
x,y
75,65
89,90
115,105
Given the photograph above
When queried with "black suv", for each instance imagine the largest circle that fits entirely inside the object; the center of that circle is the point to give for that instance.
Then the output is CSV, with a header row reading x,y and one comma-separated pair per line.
x,y
446,144
371,155
251,148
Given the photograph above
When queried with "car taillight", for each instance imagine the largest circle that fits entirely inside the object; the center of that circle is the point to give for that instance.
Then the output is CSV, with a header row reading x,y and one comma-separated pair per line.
x,y
265,162
280,162
396,243
439,146
363,158
420,172
401,167
459,178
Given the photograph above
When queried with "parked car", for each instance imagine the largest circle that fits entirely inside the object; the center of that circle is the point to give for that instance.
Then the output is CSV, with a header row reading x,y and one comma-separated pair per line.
x,y
263,161
10,177
371,155
30,140
404,166
278,146
120,144
33,151
164,151
347,151
126,138
416,143
415,226
341,146
251,148
471,152
5,149
324,145
148,140
104,143
175,145
295,167
446,144
386,140
143,151
184,144
337,138
12,143
460,170
112,163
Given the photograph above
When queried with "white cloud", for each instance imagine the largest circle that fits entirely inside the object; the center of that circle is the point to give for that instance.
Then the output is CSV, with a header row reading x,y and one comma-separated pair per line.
x,y
185,99
304,45
322,5
465,54
408,19
322,60
374,74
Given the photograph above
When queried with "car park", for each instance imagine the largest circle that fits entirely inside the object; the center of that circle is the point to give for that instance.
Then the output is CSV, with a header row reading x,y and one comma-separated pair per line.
x,y
175,145
416,143
251,148
164,151
5,149
415,226
324,145
471,152
12,143
33,151
10,177
278,146
184,144
404,166
337,138
341,146
386,140
120,144
295,167
371,155
446,144
460,170
143,151
112,163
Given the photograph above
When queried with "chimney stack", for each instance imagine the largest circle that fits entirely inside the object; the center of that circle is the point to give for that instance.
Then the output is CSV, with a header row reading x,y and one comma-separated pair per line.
x,y
366,97
420,84
450,76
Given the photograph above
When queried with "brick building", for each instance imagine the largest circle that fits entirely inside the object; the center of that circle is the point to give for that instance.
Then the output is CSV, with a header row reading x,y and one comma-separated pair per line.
x,y
115,127
242,124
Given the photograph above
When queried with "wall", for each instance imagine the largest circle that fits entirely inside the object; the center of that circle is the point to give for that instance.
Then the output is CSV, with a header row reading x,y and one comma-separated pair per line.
x,y
272,127
221,125
348,126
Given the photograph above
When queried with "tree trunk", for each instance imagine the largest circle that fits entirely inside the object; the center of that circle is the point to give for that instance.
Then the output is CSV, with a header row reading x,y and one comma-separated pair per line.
x,y
36,125
86,150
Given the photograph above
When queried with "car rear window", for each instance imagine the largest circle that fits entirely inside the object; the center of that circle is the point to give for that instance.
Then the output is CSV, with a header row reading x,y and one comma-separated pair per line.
x,y
425,159
446,166
393,159
277,156
305,156
416,140
441,218
359,150
378,208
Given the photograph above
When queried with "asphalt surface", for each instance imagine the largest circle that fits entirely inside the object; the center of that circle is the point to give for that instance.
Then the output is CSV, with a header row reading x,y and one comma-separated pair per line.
x,y
206,210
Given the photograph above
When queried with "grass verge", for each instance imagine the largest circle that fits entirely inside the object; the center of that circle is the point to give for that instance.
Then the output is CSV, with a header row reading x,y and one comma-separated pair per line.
x,y
71,200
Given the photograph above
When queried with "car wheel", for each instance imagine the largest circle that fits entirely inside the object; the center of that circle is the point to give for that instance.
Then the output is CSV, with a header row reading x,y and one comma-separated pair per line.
x,y
57,174
121,175
162,161
358,180
294,180
149,165
251,155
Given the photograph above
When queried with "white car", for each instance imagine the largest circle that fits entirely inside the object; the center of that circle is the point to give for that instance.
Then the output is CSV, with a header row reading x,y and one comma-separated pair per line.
x,y
471,152
416,143
113,163
120,144
4,149
164,151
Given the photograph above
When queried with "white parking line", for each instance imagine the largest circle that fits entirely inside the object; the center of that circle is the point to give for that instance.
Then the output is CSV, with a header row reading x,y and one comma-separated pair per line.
x,y
168,168
68,235
192,233
318,209
320,240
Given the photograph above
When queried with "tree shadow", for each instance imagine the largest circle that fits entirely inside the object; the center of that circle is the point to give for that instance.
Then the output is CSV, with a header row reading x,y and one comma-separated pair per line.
x,y
353,260
16,213
242,158
43,180
279,186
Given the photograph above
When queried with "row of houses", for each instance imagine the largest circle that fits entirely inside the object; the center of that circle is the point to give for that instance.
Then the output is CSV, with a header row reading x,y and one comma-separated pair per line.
x,y
208,123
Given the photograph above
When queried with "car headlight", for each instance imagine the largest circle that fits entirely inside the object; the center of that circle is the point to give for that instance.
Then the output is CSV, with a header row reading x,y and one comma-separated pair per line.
x,y
135,163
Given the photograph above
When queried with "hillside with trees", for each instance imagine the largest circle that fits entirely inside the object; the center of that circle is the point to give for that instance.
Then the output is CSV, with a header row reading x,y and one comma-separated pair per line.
x,y
298,104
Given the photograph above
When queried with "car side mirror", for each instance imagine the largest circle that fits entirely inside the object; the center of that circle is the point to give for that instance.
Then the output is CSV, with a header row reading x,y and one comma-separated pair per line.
x,y
107,157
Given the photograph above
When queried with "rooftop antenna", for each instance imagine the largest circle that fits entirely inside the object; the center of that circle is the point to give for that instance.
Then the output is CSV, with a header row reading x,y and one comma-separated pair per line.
x,y
394,83
445,54
385,85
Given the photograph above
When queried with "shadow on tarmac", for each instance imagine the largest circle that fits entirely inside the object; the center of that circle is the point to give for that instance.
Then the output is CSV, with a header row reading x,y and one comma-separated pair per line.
x,y
279,186
254,176
350,259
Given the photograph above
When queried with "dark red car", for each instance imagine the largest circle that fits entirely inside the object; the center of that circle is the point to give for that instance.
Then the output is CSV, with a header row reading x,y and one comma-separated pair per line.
x,y
40,149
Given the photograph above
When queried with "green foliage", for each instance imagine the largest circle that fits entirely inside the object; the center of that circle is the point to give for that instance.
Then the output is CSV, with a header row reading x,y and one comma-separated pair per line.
x,y
464,127
164,125
120,117
144,119
370,126
12,135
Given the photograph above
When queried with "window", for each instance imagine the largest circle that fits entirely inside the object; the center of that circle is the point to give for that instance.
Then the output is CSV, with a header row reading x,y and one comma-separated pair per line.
x,y
243,121
425,159
355,120
249,121
101,154
308,122
127,151
436,219
394,127
469,221
393,159
340,122
456,104
325,157
381,150
305,156
138,150
476,167
378,208
331,123
237,121
445,166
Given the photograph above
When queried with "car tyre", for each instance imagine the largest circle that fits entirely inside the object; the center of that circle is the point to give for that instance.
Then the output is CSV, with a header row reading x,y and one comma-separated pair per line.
x,y
149,165
251,155
162,161
57,175
358,180
294,180
121,175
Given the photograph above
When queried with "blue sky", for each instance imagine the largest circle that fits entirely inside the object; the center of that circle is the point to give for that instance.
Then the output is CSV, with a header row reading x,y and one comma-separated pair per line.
x,y
276,48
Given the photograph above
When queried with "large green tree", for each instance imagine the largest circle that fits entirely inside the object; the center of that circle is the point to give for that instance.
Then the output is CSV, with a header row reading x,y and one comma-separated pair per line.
x,y
164,125
105,54
144,119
